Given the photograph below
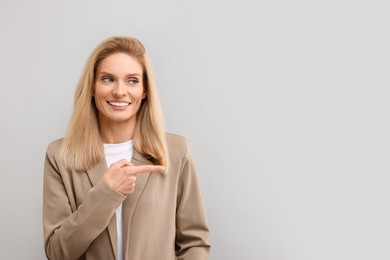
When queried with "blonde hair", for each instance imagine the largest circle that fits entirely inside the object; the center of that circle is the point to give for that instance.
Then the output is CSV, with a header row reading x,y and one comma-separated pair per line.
x,y
83,146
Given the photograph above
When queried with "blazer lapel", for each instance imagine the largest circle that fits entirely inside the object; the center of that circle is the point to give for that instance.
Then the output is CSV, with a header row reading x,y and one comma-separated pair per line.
x,y
95,174
131,201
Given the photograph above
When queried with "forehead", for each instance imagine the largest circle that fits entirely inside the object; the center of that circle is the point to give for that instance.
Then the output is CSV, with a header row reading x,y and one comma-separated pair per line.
x,y
120,63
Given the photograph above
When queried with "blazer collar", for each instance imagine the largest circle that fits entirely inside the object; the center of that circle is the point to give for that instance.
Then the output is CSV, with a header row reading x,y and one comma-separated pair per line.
x,y
129,204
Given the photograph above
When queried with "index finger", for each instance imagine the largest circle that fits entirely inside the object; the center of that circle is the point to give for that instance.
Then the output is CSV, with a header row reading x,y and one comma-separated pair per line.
x,y
137,169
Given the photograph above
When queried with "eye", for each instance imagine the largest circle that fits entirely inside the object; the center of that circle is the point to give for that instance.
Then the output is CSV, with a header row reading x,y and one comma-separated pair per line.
x,y
133,81
107,79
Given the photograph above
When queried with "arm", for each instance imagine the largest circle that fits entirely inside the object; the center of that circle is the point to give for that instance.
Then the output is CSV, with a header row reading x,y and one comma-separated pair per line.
x,y
68,234
191,224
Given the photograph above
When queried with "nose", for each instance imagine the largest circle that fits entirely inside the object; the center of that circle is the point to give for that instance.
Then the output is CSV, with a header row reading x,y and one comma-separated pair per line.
x,y
119,89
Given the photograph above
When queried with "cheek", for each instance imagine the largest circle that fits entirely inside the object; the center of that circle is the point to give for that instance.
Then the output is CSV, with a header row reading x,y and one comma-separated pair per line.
x,y
138,94
98,97
99,106
99,92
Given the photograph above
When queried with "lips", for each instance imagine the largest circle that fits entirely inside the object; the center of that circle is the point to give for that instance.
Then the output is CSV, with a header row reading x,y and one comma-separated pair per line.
x,y
118,104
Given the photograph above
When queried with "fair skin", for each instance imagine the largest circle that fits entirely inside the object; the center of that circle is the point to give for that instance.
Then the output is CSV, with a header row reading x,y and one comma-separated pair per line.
x,y
118,93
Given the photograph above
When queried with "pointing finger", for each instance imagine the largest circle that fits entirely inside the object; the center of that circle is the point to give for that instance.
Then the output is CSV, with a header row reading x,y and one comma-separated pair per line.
x,y
145,168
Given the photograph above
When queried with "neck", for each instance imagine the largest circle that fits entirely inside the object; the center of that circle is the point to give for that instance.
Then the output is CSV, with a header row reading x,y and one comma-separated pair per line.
x,y
113,133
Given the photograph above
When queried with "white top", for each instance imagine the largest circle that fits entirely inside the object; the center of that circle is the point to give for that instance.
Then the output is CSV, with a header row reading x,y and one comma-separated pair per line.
x,y
114,153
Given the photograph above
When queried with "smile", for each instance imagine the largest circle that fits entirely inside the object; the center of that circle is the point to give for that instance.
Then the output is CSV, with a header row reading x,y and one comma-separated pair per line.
x,y
118,104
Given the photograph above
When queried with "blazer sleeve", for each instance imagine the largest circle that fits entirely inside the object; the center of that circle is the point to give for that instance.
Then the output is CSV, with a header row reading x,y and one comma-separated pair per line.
x,y
191,223
68,233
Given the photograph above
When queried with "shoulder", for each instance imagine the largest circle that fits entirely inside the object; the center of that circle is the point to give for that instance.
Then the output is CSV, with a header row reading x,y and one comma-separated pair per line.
x,y
178,148
179,154
177,144
176,140
54,147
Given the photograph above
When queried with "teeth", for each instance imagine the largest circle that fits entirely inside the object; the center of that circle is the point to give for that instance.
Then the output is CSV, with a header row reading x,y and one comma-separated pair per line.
x,y
119,104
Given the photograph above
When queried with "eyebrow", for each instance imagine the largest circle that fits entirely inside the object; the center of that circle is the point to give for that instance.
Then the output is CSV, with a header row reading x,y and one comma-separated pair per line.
x,y
128,75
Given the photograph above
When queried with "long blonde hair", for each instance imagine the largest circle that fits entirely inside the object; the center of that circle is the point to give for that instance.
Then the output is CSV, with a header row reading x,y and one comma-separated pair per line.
x,y
83,146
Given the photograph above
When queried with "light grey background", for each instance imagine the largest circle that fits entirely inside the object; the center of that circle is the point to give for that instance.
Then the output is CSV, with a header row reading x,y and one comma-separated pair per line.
x,y
285,105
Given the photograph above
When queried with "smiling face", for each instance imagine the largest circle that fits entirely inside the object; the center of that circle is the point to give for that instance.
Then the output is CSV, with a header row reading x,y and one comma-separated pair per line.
x,y
118,90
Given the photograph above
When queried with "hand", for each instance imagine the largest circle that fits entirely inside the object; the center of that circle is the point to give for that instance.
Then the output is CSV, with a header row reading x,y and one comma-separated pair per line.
x,y
122,175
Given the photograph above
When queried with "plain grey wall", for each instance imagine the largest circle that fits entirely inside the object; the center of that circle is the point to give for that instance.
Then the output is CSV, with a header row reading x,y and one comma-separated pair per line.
x,y
285,105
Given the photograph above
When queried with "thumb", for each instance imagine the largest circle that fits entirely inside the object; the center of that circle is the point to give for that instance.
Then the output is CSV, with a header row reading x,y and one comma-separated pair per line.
x,y
120,164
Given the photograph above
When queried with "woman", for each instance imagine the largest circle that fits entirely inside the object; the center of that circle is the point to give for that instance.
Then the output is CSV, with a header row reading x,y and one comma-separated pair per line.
x,y
117,186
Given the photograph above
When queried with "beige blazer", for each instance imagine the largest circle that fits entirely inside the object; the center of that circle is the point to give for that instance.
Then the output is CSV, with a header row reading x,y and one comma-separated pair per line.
x,y
164,219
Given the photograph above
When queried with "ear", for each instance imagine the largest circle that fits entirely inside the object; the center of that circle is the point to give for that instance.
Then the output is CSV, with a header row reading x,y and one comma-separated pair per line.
x,y
144,95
